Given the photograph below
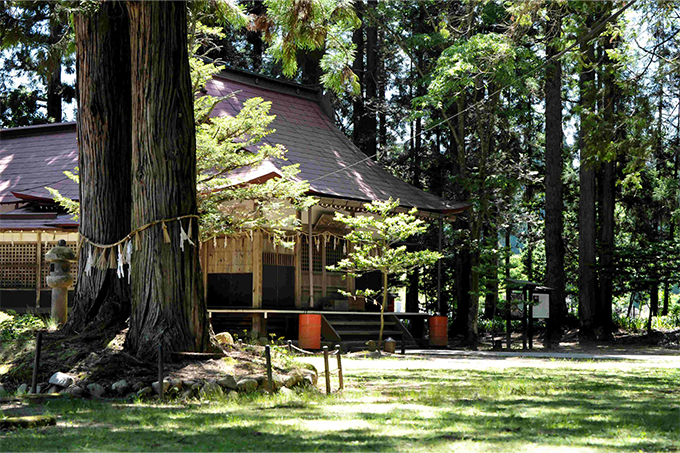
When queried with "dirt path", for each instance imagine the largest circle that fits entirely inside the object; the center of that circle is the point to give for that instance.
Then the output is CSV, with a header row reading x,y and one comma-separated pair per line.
x,y
481,360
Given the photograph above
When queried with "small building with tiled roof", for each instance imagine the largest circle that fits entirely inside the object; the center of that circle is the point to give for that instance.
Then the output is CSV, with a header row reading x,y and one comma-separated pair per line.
x,y
240,273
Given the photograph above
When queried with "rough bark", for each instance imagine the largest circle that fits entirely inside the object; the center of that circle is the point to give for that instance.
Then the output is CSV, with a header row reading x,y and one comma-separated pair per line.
x,y
168,304
105,153
53,106
358,106
554,204
608,204
587,285
371,85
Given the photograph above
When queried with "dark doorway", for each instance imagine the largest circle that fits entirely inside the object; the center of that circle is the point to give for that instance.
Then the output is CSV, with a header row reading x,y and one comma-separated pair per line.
x,y
278,286
230,290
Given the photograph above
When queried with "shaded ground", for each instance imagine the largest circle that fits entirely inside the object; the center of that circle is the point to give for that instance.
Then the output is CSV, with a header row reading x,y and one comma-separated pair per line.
x,y
414,405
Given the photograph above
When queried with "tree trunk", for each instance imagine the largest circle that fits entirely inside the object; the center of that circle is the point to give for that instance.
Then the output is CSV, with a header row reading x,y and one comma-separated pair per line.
x,y
554,205
105,152
359,107
54,70
608,199
371,85
168,304
587,284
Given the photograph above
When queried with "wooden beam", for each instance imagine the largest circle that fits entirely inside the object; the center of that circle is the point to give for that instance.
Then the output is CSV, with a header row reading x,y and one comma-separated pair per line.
x,y
38,269
257,269
297,251
324,283
205,265
310,242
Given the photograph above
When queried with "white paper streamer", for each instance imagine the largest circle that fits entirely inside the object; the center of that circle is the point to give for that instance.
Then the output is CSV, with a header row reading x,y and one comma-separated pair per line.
x,y
119,269
89,262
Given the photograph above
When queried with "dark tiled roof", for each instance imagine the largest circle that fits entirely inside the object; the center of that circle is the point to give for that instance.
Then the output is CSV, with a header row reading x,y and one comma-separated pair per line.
x,y
34,157
25,219
313,141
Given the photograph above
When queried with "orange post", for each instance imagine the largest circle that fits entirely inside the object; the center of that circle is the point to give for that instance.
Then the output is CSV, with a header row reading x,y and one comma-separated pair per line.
x,y
310,332
439,330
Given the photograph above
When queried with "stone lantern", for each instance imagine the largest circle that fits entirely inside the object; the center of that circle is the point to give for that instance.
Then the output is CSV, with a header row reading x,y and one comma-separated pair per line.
x,y
60,279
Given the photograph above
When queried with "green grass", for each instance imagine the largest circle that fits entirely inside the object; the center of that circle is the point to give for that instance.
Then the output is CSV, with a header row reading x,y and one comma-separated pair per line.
x,y
394,409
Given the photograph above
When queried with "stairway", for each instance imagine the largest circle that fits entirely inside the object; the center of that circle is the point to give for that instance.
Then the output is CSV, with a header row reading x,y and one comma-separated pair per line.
x,y
354,331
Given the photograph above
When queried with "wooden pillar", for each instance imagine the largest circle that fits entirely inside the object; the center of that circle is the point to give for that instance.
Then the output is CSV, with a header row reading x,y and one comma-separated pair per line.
x,y
310,244
351,281
205,265
439,268
324,283
298,268
257,282
38,269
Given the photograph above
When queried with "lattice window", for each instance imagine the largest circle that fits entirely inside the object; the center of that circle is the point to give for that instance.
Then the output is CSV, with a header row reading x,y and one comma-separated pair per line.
x,y
316,255
336,250
278,259
17,265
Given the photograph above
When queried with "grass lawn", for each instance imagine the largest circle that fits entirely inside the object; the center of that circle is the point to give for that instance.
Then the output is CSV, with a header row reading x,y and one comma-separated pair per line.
x,y
563,407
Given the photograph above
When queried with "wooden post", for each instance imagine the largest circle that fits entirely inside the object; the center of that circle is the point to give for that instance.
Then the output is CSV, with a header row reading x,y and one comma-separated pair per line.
x,y
324,283
298,267
531,327
36,362
310,244
38,269
290,347
403,343
160,372
508,319
257,282
205,266
524,321
268,354
328,374
439,268
341,384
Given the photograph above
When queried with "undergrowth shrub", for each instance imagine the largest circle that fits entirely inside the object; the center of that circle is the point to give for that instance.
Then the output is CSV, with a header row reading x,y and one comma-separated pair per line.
x,y
20,327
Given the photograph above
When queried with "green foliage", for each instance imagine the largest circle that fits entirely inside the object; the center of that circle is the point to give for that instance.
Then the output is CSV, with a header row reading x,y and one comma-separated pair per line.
x,y
20,327
375,239
294,26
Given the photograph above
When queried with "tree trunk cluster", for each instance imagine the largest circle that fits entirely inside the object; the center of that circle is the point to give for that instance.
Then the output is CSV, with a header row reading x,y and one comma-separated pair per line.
x,y
137,159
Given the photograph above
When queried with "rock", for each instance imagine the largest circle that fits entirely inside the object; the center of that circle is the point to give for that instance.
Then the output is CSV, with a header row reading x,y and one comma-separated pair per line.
x,y
138,386
176,384
75,391
225,338
61,379
247,385
37,390
277,382
96,390
286,391
22,390
121,387
144,392
292,380
156,388
188,384
309,380
232,395
228,382
187,394
311,374
54,389
210,391
196,387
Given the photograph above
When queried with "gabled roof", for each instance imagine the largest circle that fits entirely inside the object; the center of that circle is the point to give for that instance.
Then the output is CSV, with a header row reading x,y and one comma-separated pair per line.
x,y
37,156
328,160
